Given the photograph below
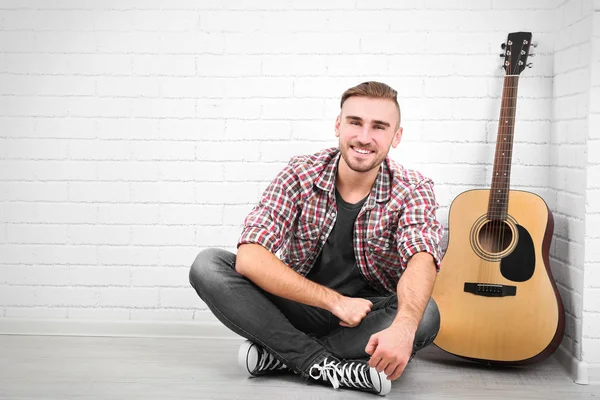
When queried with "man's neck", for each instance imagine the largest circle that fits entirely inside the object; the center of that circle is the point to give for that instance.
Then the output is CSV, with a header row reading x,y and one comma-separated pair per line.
x,y
354,186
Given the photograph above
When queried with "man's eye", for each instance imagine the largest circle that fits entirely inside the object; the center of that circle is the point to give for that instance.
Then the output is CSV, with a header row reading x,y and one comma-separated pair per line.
x,y
354,123
379,127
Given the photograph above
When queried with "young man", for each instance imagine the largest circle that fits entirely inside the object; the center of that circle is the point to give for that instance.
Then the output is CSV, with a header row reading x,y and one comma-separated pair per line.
x,y
351,228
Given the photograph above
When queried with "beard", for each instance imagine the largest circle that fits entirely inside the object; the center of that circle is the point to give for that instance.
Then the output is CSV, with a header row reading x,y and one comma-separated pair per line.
x,y
360,164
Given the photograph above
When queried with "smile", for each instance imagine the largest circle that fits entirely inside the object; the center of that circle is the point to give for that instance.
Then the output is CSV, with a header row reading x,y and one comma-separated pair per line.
x,y
361,151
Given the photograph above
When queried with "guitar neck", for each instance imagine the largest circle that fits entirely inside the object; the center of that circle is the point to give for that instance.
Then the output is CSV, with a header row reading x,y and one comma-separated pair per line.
x,y
498,202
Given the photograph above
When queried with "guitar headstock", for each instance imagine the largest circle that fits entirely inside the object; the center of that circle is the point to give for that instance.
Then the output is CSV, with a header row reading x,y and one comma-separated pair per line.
x,y
516,51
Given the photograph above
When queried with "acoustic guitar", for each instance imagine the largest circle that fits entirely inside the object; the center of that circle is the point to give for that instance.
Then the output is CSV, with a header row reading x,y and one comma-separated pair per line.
x,y
497,298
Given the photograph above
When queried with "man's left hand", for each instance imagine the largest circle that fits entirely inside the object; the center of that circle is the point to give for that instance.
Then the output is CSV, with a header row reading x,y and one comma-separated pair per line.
x,y
391,348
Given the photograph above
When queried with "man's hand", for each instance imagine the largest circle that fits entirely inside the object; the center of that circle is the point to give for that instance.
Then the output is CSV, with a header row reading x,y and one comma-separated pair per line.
x,y
351,311
391,348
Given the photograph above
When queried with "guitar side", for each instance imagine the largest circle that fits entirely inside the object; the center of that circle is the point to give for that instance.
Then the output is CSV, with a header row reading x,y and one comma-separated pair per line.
x,y
510,328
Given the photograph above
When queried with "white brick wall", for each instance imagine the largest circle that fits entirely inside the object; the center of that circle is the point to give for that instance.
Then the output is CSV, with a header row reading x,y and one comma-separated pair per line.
x,y
135,133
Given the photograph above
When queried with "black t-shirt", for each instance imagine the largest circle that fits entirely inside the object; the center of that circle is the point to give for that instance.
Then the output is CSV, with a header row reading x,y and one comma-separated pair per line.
x,y
336,265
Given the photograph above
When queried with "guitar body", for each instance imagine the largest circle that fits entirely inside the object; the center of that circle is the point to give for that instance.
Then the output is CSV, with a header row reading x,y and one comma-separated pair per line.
x,y
497,299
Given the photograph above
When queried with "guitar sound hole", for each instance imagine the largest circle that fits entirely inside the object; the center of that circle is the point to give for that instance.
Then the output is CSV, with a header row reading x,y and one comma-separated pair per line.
x,y
495,236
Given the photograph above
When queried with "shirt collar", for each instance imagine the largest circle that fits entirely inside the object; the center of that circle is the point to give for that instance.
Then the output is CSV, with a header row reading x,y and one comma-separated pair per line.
x,y
381,188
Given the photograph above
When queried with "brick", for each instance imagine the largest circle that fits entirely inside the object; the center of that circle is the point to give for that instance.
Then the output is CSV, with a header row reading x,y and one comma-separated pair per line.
x,y
166,20
249,172
61,296
190,171
98,150
592,247
120,128
195,43
161,65
20,41
36,312
192,129
592,275
300,65
181,108
34,275
127,171
321,87
127,255
179,298
162,192
390,5
36,234
193,87
302,43
226,193
69,64
143,214
231,21
49,213
95,234
190,214
235,214
162,235
228,151
110,192
159,150
40,149
591,300
90,275
160,276
49,254
520,5
47,85
258,130
591,225
128,297
283,152
76,128
36,191
17,295
258,87
318,130
233,65
170,256
16,127
456,87
218,236
230,109
292,108
127,87
591,325
98,314
379,43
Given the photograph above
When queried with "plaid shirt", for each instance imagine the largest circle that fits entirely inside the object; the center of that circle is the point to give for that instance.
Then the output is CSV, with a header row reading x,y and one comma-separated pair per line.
x,y
297,211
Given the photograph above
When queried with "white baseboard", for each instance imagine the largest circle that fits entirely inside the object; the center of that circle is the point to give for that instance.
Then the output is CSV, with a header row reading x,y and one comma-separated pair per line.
x,y
578,370
64,327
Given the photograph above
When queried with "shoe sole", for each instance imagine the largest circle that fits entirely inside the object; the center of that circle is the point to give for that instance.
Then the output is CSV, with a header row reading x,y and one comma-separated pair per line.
x,y
247,357
380,382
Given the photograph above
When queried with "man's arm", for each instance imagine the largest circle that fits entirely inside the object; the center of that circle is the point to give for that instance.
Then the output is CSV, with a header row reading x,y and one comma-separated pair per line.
x,y
414,290
268,272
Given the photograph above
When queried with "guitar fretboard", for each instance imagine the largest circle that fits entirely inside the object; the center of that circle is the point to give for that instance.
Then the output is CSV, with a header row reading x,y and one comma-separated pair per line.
x,y
498,202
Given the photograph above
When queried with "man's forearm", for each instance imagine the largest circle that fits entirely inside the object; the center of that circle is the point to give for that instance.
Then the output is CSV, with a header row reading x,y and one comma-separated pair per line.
x,y
269,273
414,290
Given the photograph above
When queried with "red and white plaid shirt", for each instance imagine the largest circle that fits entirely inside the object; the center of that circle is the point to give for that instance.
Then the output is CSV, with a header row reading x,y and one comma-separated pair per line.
x,y
297,212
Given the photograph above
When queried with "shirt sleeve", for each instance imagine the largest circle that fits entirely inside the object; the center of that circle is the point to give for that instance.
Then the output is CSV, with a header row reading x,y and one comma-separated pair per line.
x,y
419,229
269,223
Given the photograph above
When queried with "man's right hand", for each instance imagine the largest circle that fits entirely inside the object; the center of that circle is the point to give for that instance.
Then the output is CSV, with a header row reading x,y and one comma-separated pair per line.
x,y
351,310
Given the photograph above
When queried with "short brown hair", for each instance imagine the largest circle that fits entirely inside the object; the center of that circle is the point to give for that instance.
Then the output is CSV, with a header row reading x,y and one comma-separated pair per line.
x,y
375,90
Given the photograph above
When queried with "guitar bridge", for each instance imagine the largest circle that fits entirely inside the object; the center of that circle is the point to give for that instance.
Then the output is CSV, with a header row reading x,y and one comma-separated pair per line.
x,y
490,289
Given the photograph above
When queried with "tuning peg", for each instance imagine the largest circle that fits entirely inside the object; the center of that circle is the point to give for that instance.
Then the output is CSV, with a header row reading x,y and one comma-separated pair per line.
x,y
503,45
534,44
530,65
502,55
532,55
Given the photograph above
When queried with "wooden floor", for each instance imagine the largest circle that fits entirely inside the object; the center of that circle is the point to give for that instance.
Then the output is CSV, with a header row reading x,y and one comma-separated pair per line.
x,y
58,367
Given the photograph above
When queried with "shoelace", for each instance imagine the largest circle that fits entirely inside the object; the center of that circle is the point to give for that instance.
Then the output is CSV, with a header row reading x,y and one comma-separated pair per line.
x,y
268,362
350,374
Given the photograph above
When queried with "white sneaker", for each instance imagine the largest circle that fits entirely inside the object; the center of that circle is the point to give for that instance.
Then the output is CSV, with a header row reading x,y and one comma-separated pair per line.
x,y
254,360
355,374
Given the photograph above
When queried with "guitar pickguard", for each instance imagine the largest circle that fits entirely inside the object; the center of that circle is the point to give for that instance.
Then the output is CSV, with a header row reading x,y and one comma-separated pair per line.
x,y
519,265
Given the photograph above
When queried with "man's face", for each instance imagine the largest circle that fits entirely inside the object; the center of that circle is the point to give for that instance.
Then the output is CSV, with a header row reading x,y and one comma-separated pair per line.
x,y
367,128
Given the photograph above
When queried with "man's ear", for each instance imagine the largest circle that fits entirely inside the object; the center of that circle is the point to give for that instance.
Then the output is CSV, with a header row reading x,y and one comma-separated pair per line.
x,y
337,126
397,138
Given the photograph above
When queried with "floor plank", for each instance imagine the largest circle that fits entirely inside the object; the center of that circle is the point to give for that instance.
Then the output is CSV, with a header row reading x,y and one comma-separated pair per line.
x,y
62,367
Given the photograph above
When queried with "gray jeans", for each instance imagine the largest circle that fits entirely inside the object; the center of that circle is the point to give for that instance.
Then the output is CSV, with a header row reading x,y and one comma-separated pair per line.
x,y
297,334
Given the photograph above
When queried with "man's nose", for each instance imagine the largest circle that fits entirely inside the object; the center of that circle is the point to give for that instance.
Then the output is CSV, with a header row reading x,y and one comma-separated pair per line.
x,y
364,135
